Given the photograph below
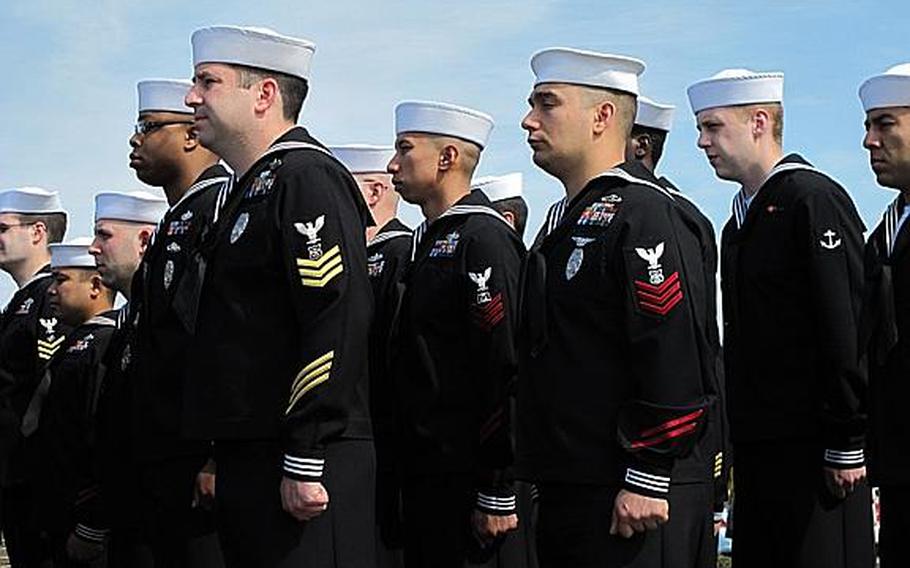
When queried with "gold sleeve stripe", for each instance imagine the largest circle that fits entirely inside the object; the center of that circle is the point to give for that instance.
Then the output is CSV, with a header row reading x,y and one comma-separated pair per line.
x,y
310,386
301,381
315,363
317,273
46,349
307,263
320,272
320,282
312,375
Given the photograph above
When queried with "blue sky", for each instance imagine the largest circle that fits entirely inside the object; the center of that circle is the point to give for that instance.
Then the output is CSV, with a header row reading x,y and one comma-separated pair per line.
x,y
70,69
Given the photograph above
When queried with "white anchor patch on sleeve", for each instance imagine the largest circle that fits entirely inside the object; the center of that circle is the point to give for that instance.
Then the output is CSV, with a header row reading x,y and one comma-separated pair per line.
x,y
830,241
652,257
311,232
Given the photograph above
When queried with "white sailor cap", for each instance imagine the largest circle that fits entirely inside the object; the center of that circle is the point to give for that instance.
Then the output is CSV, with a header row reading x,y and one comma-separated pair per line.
x,y
890,89
72,254
734,87
164,95
132,207
253,47
587,68
30,201
443,119
652,114
497,188
363,158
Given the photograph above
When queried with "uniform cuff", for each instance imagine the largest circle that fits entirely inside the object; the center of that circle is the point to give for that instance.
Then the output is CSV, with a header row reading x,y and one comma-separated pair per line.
x,y
647,484
303,469
501,505
845,459
91,535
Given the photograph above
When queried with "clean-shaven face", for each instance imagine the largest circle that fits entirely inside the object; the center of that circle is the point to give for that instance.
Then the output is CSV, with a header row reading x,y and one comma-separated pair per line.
x,y
221,107
414,166
559,126
726,138
888,142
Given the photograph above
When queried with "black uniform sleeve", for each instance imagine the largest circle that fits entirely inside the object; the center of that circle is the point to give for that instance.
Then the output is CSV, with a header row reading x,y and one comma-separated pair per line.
x,y
317,250
493,265
833,235
77,392
668,410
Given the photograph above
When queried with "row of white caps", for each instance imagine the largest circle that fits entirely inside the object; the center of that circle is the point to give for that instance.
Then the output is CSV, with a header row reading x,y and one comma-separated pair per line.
x,y
266,49
132,207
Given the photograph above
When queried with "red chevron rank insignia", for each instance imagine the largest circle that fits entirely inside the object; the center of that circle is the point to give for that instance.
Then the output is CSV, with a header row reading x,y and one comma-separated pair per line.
x,y
669,430
486,316
659,299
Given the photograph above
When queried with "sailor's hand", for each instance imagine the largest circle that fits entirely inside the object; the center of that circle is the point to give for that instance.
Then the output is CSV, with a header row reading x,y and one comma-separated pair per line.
x,y
634,513
303,500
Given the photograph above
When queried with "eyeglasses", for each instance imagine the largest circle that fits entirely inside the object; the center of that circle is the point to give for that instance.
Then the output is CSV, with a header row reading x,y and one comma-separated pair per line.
x,y
4,227
144,127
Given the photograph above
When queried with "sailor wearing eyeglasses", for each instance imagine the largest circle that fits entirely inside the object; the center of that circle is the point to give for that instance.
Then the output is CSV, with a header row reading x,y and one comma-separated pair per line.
x,y
30,334
174,475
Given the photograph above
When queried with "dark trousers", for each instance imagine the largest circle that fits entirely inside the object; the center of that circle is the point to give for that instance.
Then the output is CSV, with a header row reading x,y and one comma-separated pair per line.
x,y
27,545
173,532
895,526
438,532
785,516
256,531
574,524
389,519
519,549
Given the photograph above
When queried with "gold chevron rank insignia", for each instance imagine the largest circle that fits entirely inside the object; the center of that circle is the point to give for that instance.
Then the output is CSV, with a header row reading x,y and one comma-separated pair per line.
x,y
310,377
46,349
319,272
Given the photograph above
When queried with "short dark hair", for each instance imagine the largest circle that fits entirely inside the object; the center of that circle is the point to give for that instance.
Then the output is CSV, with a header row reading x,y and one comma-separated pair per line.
x,y
55,223
658,139
293,89
518,207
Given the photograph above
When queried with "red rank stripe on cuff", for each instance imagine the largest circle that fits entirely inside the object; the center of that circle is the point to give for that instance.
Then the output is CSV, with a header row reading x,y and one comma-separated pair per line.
x,y
488,316
659,299
669,430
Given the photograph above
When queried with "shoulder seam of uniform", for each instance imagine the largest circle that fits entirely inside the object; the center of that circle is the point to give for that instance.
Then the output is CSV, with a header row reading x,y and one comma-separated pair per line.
x,y
387,236
101,320
624,175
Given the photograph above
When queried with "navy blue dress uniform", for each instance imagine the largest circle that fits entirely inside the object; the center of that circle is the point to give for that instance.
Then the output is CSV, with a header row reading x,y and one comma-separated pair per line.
x,y
616,380
388,254
454,368
61,433
791,274
166,463
886,331
702,550
113,438
280,358
884,324
30,334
